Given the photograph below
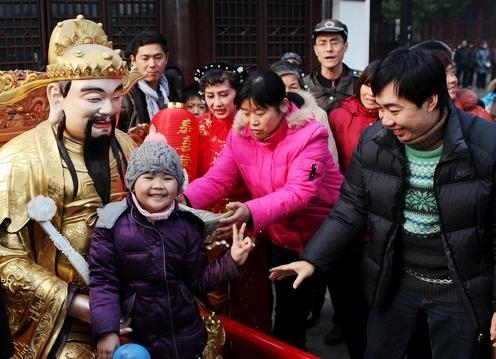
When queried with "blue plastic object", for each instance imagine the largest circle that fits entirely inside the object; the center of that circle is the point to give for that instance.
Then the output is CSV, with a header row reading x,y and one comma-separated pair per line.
x,y
131,351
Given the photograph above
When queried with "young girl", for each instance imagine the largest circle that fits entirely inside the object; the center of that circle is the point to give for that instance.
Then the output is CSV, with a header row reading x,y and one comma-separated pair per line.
x,y
281,154
147,261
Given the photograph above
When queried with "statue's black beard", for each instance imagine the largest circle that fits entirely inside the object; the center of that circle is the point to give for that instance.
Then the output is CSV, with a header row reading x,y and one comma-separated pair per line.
x,y
96,157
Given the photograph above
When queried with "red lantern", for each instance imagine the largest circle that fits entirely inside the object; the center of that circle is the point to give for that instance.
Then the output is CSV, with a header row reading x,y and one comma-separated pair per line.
x,y
180,128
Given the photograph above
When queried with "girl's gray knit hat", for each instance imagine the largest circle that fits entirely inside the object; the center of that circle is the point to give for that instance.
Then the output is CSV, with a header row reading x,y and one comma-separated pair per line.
x,y
154,155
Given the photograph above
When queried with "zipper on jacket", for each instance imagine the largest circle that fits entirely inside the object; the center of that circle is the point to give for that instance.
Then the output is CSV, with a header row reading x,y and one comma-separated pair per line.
x,y
480,337
394,230
166,282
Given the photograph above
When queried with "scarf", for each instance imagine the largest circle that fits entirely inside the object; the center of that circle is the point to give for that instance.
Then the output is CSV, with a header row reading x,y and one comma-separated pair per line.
x,y
430,139
153,217
152,96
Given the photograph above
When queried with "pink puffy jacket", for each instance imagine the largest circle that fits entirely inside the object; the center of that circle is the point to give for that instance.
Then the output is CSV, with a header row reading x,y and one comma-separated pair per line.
x,y
291,176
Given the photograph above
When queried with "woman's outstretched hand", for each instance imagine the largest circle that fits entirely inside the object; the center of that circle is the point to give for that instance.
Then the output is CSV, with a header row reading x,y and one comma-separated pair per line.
x,y
302,270
241,245
241,215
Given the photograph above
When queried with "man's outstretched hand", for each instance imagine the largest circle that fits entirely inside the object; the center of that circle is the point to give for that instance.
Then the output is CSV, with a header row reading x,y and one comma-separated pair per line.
x,y
302,270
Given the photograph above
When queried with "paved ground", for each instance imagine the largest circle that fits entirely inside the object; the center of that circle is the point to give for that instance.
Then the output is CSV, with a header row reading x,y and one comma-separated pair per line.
x,y
315,336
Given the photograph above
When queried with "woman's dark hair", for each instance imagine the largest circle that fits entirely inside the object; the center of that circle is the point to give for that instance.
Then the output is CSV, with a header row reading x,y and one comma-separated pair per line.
x,y
439,49
416,75
366,76
263,87
218,76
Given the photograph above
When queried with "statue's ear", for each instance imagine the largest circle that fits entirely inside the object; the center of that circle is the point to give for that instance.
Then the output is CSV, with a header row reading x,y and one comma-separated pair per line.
x,y
54,94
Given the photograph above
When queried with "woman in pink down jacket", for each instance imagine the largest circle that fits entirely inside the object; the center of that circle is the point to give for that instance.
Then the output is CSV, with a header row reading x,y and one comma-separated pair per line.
x,y
281,154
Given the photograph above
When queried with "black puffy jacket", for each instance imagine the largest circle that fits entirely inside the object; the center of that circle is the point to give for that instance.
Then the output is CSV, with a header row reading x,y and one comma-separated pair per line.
x,y
371,201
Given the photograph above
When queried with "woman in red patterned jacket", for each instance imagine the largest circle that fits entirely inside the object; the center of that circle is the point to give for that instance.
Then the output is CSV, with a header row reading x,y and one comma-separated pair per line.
x,y
219,82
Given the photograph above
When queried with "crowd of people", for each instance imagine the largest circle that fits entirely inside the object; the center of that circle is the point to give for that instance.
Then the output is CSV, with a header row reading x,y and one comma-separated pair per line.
x,y
377,185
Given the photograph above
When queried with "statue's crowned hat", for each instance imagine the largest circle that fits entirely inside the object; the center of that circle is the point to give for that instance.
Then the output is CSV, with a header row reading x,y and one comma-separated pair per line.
x,y
78,50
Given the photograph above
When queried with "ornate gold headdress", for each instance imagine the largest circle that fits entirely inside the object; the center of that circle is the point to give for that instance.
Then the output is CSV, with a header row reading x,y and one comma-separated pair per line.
x,y
78,50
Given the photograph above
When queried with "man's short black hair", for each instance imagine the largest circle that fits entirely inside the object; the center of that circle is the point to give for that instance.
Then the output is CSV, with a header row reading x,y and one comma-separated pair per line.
x,y
439,49
416,75
146,38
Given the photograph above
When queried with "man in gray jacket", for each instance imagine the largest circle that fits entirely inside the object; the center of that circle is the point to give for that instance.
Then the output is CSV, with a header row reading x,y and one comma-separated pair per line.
x,y
331,81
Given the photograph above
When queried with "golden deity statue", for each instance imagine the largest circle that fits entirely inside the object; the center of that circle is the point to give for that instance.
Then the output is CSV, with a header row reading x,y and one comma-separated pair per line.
x,y
77,157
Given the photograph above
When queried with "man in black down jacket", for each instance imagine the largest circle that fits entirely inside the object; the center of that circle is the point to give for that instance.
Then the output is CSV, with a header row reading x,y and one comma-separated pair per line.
x,y
422,185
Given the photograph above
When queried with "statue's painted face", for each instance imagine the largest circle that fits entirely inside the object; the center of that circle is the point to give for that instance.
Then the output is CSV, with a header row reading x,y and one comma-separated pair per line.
x,y
95,100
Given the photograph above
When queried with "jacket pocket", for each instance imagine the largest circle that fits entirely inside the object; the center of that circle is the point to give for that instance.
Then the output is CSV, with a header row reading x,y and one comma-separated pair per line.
x,y
313,168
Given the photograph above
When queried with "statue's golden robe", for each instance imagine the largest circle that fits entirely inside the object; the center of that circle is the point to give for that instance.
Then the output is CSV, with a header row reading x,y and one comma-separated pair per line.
x,y
34,276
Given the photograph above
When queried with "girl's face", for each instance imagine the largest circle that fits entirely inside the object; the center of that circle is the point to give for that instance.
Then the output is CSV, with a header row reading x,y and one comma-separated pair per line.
x,y
367,98
155,191
220,100
262,121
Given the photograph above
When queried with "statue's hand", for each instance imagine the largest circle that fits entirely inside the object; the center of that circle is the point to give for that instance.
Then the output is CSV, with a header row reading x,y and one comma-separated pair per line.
x,y
80,308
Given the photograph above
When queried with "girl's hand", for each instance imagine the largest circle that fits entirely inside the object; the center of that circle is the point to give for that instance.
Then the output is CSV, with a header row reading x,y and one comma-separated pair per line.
x,y
241,246
241,215
106,345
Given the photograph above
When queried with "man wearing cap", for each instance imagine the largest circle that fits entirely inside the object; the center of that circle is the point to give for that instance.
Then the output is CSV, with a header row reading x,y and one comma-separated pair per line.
x,y
331,81
77,158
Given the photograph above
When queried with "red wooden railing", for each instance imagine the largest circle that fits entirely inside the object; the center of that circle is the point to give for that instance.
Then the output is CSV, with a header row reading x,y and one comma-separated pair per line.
x,y
245,342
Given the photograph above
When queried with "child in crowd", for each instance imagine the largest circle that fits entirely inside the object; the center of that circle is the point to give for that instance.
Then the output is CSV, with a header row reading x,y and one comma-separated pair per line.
x,y
192,100
148,261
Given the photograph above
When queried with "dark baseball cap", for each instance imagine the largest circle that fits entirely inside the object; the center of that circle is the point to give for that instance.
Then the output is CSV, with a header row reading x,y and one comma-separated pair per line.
x,y
283,67
330,26
292,57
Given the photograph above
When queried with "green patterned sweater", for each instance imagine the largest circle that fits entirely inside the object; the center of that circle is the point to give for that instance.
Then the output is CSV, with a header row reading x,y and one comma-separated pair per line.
x,y
423,258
